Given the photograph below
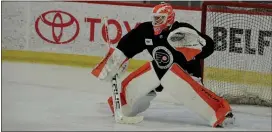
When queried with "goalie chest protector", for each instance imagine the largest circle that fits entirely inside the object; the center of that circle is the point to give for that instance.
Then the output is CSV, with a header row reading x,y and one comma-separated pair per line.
x,y
163,54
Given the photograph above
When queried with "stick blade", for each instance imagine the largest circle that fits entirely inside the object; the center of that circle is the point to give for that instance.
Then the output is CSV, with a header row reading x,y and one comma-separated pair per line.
x,y
130,120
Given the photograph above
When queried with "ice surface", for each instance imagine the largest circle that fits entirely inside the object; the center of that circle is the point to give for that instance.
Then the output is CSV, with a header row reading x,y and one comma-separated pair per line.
x,y
50,97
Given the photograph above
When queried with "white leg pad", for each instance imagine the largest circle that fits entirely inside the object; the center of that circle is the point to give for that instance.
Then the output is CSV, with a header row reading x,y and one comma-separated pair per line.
x,y
183,92
138,92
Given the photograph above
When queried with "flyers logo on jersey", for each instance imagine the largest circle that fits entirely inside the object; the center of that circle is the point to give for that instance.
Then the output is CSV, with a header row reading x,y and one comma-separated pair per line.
x,y
163,57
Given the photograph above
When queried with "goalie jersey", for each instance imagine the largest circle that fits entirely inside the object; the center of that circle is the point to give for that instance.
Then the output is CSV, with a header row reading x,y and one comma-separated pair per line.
x,y
180,44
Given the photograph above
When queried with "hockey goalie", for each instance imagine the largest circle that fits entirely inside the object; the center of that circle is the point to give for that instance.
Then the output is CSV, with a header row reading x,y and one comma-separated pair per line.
x,y
177,49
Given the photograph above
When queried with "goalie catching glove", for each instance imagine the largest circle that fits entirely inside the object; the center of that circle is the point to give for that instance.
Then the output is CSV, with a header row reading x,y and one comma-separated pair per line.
x,y
114,63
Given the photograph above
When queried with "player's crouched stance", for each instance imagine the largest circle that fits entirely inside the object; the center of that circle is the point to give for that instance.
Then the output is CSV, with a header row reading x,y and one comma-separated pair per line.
x,y
172,45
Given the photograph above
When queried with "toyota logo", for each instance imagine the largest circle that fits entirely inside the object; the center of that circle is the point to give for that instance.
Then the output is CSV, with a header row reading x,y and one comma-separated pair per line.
x,y
57,27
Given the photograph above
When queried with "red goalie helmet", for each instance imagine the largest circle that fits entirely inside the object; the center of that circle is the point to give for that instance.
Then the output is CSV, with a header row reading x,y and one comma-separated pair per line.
x,y
163,16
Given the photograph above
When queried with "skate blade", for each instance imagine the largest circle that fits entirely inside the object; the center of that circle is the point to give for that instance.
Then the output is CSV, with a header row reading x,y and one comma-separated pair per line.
x,y
228,122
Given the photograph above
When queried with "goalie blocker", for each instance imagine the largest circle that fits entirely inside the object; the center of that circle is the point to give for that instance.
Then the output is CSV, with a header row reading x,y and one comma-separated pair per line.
x,y
172,45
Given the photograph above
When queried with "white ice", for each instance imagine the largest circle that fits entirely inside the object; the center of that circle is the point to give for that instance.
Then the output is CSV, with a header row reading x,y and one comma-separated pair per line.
x,y
50,97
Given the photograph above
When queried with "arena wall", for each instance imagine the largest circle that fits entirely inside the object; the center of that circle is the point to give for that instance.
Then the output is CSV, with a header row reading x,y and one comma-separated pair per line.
x,y
71,33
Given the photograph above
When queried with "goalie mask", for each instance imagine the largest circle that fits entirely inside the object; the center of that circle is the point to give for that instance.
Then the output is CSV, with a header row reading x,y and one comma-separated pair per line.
x,y
162,17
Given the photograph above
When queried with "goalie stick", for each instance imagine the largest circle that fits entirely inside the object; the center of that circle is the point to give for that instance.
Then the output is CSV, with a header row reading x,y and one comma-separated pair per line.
x,y
118,115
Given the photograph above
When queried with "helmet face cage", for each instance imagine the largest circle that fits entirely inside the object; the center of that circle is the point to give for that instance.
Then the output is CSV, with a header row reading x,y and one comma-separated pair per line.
x,y
159,19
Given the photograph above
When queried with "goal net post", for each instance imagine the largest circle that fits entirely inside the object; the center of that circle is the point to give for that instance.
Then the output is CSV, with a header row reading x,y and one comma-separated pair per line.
x,y
240,69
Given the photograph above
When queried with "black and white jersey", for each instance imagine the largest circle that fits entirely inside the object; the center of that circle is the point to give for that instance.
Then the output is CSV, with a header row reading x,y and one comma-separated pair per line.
x,y
164,54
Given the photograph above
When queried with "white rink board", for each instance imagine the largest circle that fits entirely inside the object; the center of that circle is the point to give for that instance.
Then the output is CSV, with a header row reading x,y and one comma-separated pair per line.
x,y
23,25
19,20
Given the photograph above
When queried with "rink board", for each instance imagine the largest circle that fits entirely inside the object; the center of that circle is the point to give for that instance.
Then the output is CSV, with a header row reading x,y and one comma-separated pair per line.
x,y
28,37
231,76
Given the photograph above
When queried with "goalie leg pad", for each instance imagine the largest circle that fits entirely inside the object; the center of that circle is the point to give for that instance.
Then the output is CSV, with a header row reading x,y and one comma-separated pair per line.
x,y
138,90
195,96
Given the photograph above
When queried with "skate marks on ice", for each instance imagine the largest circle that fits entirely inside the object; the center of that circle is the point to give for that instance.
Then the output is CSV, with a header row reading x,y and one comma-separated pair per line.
x,y
59,98
253,110
253,117
177,117
165,116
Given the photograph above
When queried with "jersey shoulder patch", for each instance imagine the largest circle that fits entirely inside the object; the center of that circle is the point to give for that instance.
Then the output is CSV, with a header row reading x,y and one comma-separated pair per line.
x,y
148,41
